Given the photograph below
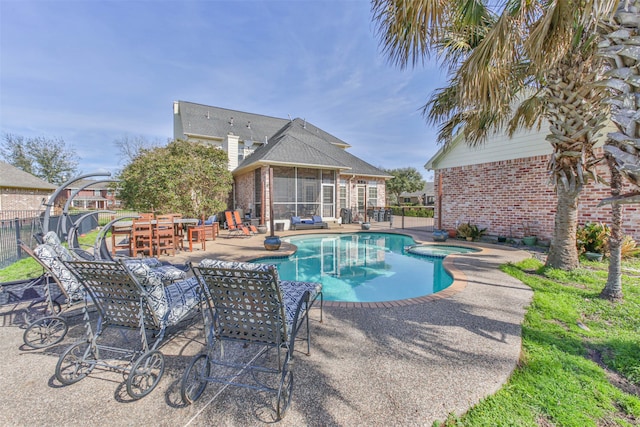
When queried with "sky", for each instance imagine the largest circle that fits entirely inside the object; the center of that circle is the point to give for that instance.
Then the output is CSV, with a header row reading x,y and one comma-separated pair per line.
x,y
93,72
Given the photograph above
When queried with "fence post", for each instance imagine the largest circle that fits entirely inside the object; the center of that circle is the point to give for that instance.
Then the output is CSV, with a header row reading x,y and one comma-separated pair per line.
x,y
18,249
403,217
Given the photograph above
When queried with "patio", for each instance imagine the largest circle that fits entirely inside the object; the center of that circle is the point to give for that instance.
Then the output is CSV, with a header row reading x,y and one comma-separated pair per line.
x,y
410,363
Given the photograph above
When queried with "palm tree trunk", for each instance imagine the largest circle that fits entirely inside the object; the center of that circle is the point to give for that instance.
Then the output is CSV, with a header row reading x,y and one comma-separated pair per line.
x,y
563,252
613,288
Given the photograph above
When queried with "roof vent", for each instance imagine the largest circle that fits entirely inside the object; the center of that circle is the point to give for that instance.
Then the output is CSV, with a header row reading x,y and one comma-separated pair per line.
x,y
266,140
208,117
304,123
231,121
248,125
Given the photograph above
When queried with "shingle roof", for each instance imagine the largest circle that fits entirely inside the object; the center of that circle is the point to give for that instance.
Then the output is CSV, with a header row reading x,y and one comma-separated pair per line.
x,y
198,119
300,143
12,177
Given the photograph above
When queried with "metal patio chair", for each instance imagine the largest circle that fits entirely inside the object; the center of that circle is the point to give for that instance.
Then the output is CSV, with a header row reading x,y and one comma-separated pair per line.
x,y
130,297
44,317
247,304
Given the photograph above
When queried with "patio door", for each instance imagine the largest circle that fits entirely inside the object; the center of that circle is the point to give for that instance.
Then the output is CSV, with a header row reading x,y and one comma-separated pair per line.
x,y
328,201
362,200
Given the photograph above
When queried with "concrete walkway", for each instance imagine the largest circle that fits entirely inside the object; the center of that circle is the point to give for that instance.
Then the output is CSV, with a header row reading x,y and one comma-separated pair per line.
x,y
409,364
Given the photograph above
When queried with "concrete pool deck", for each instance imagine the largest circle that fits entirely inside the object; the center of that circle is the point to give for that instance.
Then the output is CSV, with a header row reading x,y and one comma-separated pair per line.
x,y
406,363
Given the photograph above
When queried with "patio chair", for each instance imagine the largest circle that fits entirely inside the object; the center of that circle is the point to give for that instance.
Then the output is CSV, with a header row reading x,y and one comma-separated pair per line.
x,y
247,304
46,325
142,237
129,298
164,235
238,222
233,228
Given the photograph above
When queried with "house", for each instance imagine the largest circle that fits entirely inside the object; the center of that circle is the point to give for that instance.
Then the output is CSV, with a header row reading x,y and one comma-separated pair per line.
x,y
424,197
503,185
90,195
21,193
313,173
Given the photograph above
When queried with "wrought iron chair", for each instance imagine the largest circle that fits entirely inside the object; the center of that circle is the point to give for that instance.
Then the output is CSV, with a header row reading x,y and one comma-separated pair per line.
x,y
46,324
129,297
247,304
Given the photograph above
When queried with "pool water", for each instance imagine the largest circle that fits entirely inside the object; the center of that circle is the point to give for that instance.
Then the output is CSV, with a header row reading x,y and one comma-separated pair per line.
x,y
363,267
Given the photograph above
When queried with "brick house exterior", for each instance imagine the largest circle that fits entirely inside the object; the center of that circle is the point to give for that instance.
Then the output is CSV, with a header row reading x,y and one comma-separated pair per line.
x,y
313,172
21,192
90,195
513,189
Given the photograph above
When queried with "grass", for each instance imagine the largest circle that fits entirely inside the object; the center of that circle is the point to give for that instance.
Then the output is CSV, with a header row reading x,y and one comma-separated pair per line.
x,y
28,268
580,362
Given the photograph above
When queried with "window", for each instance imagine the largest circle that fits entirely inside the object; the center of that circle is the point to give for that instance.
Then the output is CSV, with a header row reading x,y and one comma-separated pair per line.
x,y
342,196
372,196
303,192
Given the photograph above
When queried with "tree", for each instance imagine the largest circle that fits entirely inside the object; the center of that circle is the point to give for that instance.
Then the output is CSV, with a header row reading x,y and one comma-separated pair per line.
x,y
129,147
537,54
183,177
623,146
404,180
49,159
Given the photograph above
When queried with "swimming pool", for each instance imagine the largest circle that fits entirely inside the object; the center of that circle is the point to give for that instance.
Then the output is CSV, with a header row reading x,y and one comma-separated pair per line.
x,y
363,267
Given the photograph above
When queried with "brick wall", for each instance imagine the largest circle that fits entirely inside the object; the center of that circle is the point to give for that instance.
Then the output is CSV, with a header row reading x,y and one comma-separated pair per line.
x,y
22,199
502,195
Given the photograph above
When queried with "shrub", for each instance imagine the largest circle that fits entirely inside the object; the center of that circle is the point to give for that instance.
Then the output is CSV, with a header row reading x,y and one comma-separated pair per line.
x,y
593,237
629,248
470,230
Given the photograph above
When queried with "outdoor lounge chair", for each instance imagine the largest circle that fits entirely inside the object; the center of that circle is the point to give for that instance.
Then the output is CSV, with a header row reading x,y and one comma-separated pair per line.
x,y
302,224
130,298
248,304
233,228
238,221
45,324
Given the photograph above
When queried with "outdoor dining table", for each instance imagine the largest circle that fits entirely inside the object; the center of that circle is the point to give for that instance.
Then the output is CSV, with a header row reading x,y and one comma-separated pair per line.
x,y
125,228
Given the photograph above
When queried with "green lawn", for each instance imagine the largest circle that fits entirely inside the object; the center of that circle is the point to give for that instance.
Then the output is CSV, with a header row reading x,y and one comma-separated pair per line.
x,y
28,268
580,354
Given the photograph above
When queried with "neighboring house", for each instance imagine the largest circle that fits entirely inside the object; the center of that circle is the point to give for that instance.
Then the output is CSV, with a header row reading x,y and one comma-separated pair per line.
x,y
313,173
504,184
89,195
424,197
21,192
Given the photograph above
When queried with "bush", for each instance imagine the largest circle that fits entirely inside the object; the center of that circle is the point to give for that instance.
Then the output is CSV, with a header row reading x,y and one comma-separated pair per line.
x,y
593,237
629,248
470,230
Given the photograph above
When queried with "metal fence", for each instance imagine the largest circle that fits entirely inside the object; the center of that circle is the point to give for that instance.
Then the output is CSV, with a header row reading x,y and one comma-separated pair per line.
x,y
23,225
10,231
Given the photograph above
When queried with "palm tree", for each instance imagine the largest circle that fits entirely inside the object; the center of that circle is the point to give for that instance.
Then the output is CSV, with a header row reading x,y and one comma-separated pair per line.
x,y
540,48
623,147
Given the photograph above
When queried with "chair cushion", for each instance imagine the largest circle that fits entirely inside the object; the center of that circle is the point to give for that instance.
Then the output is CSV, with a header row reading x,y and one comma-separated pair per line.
x,y
52,239
170,303
152,283
167,273
182,297
316,219
295,220
48,256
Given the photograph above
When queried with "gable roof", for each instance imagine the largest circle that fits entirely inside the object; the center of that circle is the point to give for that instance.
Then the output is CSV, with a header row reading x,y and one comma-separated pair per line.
x,y
302,144
12,177
280,141
207,121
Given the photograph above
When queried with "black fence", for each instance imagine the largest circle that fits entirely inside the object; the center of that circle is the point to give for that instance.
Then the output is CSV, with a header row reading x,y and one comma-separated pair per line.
x,y
12,230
